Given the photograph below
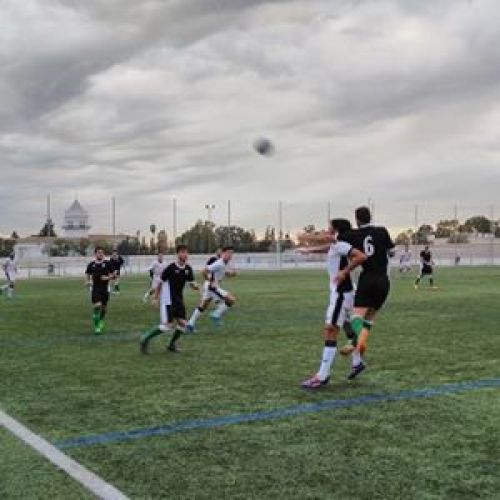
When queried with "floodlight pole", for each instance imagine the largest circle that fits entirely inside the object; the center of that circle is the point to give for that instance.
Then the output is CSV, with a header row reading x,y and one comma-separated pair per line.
x,y
113,219
229,222
492,238
415,235
174,220
457,232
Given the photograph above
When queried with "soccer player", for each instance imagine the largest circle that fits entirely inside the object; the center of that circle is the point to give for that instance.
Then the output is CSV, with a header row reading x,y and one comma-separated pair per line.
x,y
116,262
155,271
405,260
99,273
341,256
10,270
373,284
426,268
173,311
214,272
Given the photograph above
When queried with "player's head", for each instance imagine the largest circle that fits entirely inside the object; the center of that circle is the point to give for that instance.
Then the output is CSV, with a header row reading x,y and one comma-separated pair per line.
x,y
99,253
363,216
426,248
182,253
114,253
338,227
227,253
12,256
160,257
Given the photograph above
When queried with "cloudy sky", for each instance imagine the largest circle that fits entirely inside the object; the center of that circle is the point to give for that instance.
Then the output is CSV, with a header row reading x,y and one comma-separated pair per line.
x,y
393,100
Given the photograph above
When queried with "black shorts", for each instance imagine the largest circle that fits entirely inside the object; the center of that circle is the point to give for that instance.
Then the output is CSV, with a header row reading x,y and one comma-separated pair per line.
x,y
372,290
101,296
177,310
426,270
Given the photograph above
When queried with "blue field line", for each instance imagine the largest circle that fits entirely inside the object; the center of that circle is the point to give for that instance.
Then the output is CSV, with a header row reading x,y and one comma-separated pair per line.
x,y
334,404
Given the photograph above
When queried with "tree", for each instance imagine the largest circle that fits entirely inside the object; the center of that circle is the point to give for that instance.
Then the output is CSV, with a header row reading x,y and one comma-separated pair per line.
x,y
14,235
478,223
152,245
309,229
405,237
162,241
48,230
201,238
421,237
129,246
241,239
445,228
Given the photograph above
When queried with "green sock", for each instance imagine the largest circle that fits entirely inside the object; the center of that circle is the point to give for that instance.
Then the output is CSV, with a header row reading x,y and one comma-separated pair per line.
x,y
96,316
146,337
175,337
357,323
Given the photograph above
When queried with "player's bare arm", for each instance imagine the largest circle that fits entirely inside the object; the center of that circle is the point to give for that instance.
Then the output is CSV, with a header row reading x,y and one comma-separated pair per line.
x,y
356,258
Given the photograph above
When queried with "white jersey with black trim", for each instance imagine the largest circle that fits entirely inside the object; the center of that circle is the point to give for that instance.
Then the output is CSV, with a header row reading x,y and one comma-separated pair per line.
x,y
157,268
10,269
335,261
217,271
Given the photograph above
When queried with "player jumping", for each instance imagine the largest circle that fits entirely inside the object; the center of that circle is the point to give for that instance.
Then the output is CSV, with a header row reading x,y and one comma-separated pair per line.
x,y
341,256
373,285
99,273
426,268
173,311
10,270
214,273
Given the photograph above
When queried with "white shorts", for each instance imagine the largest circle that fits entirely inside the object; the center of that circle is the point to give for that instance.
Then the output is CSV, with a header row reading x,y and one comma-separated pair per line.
x,y
340,307
155,282
213,292
11,277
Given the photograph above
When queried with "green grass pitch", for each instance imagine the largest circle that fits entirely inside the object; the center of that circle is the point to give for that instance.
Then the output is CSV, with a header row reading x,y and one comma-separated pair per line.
x,y
63,382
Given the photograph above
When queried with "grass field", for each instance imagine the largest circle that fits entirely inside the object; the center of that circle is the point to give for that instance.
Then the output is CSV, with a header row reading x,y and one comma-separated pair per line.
x,y
64,383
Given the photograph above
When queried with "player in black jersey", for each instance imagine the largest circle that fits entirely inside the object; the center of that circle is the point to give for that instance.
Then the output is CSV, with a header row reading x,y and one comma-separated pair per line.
x,y
116,261
99,273
426,268
174,278
373,285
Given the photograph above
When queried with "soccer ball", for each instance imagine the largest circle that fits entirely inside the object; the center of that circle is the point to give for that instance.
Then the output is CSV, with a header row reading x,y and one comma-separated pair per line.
x,y
263,146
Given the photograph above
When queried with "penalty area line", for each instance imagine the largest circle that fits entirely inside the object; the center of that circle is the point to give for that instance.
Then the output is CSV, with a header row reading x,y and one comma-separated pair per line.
x,y
89,480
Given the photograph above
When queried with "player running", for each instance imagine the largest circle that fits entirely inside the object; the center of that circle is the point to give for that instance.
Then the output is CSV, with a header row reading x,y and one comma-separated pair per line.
x,y
341,256
214,272
99,273
426,268
155,272
373,285
116,262
172,308
9,268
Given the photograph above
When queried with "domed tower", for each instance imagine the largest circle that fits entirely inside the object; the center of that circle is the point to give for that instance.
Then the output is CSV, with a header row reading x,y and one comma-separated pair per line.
x,y
76,221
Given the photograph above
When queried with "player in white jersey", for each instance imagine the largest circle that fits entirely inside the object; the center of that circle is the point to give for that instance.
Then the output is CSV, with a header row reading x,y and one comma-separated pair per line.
x,y
155,271
341,256
215,271
10,270
405,260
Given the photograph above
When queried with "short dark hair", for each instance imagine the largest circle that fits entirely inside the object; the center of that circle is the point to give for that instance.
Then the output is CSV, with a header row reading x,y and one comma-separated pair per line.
x,y
227,247
180,248
341,225
96,249
363,215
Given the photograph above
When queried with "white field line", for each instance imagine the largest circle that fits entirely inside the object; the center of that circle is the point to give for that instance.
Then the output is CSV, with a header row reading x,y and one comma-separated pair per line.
x,y
89,480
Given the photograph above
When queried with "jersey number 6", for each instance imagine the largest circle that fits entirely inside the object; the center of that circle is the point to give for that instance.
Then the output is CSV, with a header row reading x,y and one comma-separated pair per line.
x,y
368,247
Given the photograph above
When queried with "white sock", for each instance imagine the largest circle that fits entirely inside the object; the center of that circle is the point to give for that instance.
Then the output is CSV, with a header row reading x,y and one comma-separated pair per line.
x,y
194,317
164,328
326,362
356,358
10,291
221,309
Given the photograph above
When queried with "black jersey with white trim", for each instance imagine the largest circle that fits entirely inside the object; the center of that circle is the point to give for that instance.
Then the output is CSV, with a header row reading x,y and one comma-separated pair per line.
x,y
177,277
98,269
376,243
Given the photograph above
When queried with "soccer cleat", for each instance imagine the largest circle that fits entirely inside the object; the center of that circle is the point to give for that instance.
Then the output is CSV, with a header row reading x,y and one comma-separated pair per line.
x,y
101,326
190,329
346,350
356,370
97,330
216,320
314,382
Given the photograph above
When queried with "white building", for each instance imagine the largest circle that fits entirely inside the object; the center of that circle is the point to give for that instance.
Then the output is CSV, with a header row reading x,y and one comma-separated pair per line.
x,y
76,222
